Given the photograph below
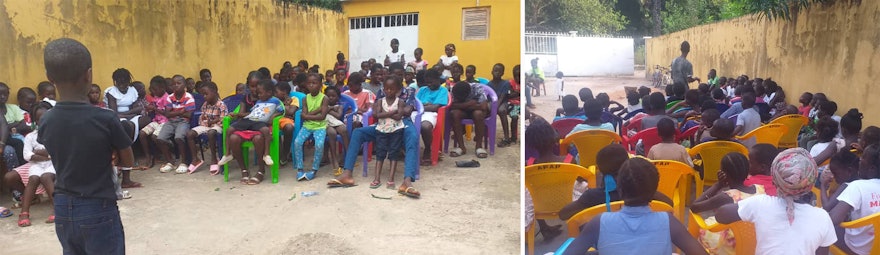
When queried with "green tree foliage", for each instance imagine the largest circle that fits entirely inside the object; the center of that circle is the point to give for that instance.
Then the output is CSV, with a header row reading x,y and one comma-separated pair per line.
x,y
585,16
777,9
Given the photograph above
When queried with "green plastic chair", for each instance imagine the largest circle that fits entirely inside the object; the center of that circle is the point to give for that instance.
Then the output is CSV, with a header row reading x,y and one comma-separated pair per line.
x,y
246,146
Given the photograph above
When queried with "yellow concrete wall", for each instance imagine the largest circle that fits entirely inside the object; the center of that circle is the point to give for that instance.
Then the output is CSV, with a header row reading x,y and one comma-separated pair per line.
x,y
830,49
440,23
168,37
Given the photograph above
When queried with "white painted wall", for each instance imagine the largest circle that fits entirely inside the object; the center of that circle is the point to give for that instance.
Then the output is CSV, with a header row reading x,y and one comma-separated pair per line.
x,y
594,56
367,43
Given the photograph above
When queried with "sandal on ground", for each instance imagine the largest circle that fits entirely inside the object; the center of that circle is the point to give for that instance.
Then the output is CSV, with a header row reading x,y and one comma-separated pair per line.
x,y
245,177
504,143
409,192
456,152
268,160
335,183
125,195
181,169
131,185
467,164
225,160
215,169
166,168
5,212
482,153
24,222
338,171
192,168
257,179
375,184
389,185
51,219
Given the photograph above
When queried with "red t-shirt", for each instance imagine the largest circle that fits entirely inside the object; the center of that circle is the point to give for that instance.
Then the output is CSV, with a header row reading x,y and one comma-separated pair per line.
x,y
805,110
514,87
763,180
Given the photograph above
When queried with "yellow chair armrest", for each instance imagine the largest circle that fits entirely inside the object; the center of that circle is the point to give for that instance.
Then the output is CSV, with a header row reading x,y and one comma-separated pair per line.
x,y
873,219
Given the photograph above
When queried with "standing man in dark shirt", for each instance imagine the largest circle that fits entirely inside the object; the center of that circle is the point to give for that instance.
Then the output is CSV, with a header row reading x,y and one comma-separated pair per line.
x,y
682,71
81,139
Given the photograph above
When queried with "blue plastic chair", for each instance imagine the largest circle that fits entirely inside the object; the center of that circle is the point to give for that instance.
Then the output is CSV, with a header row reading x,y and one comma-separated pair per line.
x,y
349,106
420,109
482,80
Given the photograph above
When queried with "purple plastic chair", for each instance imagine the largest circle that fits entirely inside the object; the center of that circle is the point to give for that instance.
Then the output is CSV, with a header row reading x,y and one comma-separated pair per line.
x,y
491,123
418,123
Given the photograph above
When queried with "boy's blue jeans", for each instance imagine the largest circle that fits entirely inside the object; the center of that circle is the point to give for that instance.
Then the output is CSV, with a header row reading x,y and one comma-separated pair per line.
x,y
368,134
88,225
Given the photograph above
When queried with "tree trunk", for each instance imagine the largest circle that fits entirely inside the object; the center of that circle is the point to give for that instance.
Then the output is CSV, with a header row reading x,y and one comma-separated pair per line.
x,y
655,15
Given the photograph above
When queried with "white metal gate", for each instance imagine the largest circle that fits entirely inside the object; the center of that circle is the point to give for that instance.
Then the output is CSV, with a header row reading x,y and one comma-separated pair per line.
x,y
580,55
370,37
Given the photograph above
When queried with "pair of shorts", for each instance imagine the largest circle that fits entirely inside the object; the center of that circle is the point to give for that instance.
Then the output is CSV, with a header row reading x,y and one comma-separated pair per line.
x,y
285,121
430,117
246,124
333,121
40,168
201,130
174,129
25,173
152,128
389,145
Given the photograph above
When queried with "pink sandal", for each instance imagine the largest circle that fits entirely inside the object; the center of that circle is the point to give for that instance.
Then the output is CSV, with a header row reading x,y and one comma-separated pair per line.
x,y
215,169
193,168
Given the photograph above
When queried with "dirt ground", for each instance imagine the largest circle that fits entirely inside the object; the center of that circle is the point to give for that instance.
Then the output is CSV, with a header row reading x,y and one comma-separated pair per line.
x,y
546,107
462,211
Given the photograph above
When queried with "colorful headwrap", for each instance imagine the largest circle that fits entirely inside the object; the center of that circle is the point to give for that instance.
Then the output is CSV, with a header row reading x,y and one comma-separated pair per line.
x,y
794,173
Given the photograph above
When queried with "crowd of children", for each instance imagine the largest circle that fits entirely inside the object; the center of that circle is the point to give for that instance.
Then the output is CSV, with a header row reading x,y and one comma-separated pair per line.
x,y
178,116
770,187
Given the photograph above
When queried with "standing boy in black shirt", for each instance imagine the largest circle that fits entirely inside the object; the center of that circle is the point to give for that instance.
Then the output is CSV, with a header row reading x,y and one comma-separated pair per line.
x,y
81,139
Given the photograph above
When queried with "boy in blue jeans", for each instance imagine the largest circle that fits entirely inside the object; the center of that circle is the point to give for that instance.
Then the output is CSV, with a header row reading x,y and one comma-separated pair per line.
x,y
84,189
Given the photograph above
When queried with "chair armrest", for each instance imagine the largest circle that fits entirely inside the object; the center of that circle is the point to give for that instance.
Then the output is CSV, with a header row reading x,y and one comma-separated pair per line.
x,y
863,222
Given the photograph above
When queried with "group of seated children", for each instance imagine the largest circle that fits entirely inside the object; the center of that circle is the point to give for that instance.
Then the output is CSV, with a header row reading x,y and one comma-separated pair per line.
x,y
770,187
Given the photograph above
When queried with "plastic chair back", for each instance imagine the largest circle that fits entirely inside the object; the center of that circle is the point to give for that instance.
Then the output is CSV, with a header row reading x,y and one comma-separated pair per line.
x,y
575,222
711,154
550,185
649,137
743,232
794,122
769,134
674,183
482,80
564,126
588,144
687,134
872,220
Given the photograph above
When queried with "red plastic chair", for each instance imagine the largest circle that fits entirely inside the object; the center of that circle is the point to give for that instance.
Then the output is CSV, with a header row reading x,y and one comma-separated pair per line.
x,y
564,126
687,135
649,137
436,142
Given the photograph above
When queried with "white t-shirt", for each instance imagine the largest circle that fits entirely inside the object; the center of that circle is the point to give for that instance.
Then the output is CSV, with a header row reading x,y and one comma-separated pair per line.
x,y
559,86
446,62
811,229
123,101
750,119
395,57
864,197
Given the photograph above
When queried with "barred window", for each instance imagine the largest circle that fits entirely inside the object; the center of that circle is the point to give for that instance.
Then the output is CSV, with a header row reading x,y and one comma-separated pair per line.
x,y
475,23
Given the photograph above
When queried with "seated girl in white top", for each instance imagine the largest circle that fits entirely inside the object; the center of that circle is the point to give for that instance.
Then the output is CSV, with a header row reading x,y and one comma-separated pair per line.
x,y
859,199
786,223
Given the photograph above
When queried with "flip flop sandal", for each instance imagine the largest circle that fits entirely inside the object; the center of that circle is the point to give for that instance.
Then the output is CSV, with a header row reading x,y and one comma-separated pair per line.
x,y
5,212
467,164
215,169
181,169
166,168
389,185
254,180
482,153
192,168
24,222
339,184
410,192
245,177
51,219
456,152
375,185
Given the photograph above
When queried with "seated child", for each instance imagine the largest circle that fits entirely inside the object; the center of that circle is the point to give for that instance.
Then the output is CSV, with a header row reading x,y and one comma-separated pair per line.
x,y
722,130
688,106
669,149
389,135
178,109
608,113
314,116
788,110
456,70
95,96
340,76
259,119
468,102
213,112
760,159
634,104
826,130
376,79
805,101
543,139
336,126
27,99
850,126
469,73
513,104
570,109
869,136
748,120
843,169
154,106
707,121
857,199
583,95
40,170
593,110
608,161
637,181
46,91
656,113
502,90
433,96
287,123
720,100
363,98
776,218
729,189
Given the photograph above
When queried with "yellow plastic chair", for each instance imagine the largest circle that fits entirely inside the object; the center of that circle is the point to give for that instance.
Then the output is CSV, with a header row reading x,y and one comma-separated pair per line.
x,y
867,221
530,238
817,193
551,185
794,122
674,183
588,144
743,232
711,154
575,222
770,134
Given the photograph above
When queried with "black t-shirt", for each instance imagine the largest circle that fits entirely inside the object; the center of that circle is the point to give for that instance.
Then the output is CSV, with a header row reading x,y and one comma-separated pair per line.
x,y
81,139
